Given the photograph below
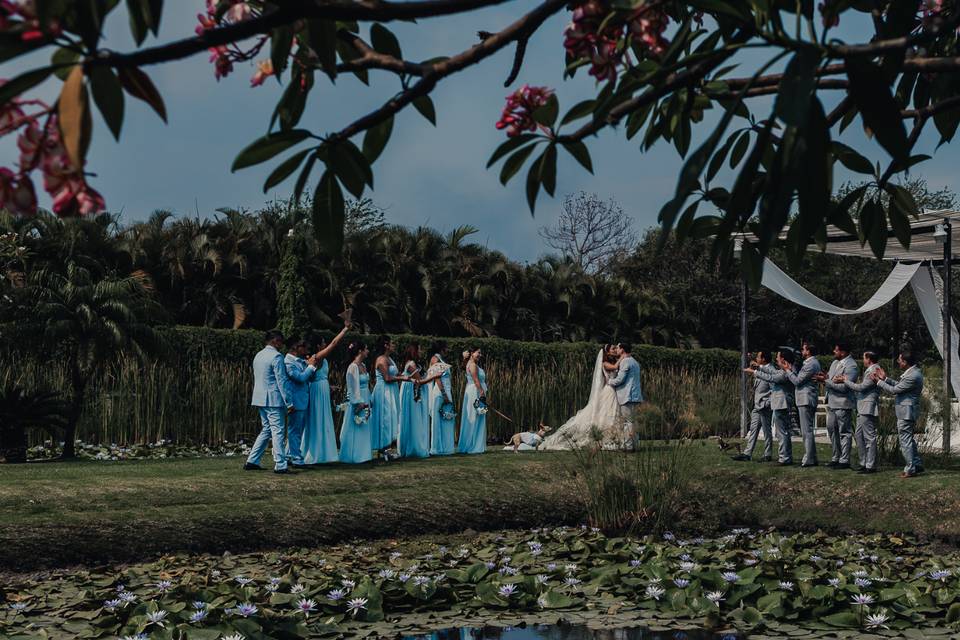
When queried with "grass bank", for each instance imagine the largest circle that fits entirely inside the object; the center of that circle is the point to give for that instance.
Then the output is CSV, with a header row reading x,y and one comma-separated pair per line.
x,y
58,514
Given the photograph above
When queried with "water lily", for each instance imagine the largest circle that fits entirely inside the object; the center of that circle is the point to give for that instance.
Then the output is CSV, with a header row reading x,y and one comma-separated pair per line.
x,y
716,597
729,576
199,615
336,594
686,557
127,596
245,609
420,581
750,561
306,607
570,568
164,585
355,605
655,592
635,563
859,573
348,583
242,580
940,574
387,574
21,606
877,620
235,636
669,536
571,581
403,577
862,599
490,565
689,567
509,571
199,604
681,583
297,588
552,566
109,605
157,618
507,590
815,558
136,636
542,579
786,585
542,602
863,583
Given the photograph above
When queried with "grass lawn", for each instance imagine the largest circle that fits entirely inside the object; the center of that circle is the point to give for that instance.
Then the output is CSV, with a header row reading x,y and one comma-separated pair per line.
x,y
56,514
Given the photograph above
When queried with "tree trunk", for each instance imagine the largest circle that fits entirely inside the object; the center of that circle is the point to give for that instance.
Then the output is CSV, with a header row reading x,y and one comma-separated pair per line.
x,y
73,419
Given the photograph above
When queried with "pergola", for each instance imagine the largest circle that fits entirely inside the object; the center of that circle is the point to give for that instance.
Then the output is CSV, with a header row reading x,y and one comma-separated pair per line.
x,y
933,234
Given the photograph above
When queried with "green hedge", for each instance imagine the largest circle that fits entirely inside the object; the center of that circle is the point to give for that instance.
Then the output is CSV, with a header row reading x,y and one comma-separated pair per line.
x,y
190,344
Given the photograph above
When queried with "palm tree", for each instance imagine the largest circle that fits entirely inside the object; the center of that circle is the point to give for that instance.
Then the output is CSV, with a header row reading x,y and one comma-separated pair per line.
x,y
21,410
92,322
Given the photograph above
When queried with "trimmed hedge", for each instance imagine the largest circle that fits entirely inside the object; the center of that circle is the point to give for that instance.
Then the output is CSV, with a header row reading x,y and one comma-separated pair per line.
x,y
191,344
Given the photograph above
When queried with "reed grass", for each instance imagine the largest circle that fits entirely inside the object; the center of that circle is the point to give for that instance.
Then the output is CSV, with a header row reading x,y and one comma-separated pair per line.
x,y
209,402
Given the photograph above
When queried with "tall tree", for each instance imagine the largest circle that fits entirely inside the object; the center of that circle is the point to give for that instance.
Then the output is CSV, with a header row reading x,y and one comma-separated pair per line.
x,y
591,231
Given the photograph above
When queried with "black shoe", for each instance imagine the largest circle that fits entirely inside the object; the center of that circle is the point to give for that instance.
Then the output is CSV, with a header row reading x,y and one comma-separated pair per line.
x,y
300,467
832,464
785,464
285,472
808,465
920,468
841,465
249,466
766,459
741,457
864,470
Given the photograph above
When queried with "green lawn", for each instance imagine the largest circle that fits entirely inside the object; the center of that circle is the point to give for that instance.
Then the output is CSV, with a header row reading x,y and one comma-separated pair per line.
x,y
91,512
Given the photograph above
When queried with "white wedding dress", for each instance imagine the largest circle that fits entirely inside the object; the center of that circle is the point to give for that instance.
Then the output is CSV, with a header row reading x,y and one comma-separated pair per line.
x,y
599,416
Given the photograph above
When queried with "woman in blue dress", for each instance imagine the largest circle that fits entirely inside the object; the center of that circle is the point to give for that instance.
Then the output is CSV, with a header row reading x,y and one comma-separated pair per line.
x,y
473,418
319,434
414,438
355,439
385,421
442,413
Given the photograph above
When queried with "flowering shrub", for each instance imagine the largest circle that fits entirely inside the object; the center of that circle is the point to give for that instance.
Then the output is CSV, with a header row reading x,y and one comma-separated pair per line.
x,y
751,580
148,451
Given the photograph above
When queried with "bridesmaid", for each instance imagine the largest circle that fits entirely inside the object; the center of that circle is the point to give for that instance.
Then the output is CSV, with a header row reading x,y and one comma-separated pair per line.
x,y
473,425
355,440
441,429
385,421
414,438
320,437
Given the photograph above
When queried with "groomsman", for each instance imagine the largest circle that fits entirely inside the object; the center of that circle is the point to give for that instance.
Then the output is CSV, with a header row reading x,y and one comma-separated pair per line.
x,y
806,383
906,393
868,412
762,413
273,398
840,403
780,389
300,372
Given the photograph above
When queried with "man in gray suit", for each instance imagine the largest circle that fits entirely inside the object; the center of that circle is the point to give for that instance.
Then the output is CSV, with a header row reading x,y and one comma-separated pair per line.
x,y
761,414
780,389
840,401
868,412
629,396
906,393
274,400
807,385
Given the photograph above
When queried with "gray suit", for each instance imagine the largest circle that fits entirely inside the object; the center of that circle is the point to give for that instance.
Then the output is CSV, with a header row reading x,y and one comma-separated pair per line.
x,y
907,392
780,388
760,416
808,396
840,403
868,411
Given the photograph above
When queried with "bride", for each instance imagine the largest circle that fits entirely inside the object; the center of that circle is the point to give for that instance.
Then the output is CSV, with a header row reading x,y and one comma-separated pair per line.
x,y
599,418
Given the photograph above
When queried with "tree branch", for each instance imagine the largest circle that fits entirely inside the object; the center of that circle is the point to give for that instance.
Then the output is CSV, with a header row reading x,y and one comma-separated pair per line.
x,y
370,58
288,13
522,28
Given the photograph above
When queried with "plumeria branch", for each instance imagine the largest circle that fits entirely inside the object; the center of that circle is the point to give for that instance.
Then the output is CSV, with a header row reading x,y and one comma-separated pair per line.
x,y
370,58
433,73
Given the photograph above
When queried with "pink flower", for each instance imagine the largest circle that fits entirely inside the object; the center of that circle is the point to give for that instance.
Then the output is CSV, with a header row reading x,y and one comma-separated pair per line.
x,y
264,71
239,12
647,24
11,116
29,142
206,23
6,186
77,198
223,65
517,115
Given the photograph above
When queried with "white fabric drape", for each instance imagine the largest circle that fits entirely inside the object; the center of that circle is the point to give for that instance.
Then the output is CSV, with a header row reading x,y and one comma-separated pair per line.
x,y
931,307
780,283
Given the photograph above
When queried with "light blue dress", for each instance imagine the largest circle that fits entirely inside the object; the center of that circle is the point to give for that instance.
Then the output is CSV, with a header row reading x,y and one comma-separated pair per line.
x,y
385,420
473,426
441,430
414,438
355,440
320,437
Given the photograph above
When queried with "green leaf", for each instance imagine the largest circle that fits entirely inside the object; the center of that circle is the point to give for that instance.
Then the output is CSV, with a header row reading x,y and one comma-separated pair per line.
x,y
720,7
533,184
904,199
953,613
717,160
351,167
138,22
846,619
880,111
547,114
23,83
328,213
797,87
138,84
873,226
376,138
64,59
852,160
285,168
509,145
814,181
108,96
548,169
384,41
580,153
281,42
302,178
322,36
580,110
740,148
900,223
840,214
514,162
424,105
268,146
743,198
292,103
152,12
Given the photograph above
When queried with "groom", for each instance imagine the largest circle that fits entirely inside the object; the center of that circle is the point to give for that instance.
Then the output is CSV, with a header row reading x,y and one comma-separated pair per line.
x,y
627,385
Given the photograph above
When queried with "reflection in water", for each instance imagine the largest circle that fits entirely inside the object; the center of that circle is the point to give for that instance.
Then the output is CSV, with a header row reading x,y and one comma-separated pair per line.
x,y
565,632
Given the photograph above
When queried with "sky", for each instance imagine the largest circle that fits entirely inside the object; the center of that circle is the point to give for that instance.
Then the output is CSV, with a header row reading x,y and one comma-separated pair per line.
x,y
427,175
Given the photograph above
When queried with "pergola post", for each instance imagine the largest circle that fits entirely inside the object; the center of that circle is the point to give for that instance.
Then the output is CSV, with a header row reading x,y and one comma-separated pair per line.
x,y
895,339
947,331
744,386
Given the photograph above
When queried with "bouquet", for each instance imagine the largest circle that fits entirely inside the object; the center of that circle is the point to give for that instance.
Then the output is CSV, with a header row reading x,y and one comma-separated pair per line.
x,y
340,408
448,411
480,404
362,415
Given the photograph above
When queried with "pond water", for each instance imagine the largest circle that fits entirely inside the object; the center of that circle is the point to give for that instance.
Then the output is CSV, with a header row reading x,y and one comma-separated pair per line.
x,y
567,632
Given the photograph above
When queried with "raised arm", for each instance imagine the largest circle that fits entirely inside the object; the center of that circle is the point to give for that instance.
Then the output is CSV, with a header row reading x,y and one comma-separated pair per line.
x,y
807,371
327,350
903,385
865,385
776,376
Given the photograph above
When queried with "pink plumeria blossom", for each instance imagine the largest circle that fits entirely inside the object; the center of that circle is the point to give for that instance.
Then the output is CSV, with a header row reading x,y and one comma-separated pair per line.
x,y
264,71
517,115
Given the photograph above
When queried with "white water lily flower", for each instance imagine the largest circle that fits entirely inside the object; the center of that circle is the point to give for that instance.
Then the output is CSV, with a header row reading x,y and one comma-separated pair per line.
x,y
356,605
877,620
297,588
387,574
863,583
859,573
137,636
420,581
862,599
21,606
109,605
306,607
571,582
157,618
246,609
127,596
750,561
199,604
689,567
199,615
730,576
403,577
164,585
235,636
786,585
655,592
635,563
552,566
940,574
681,583
833,582
542,602
542,579
336,594
507,590
242,580
716,597
686,557
815,558
570,568
348,583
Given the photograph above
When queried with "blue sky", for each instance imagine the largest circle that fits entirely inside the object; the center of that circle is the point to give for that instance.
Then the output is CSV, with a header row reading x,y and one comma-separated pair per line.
x,y
427,175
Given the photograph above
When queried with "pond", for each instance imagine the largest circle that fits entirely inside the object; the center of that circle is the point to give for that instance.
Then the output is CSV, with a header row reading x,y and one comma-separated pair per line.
x,y
567,632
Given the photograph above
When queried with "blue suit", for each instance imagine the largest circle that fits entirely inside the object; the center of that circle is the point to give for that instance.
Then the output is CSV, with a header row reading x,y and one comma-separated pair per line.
x,y
273,396
627,386
299,373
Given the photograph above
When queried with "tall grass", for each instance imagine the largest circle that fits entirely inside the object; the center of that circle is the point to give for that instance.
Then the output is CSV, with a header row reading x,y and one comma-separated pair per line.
x,y
209,402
